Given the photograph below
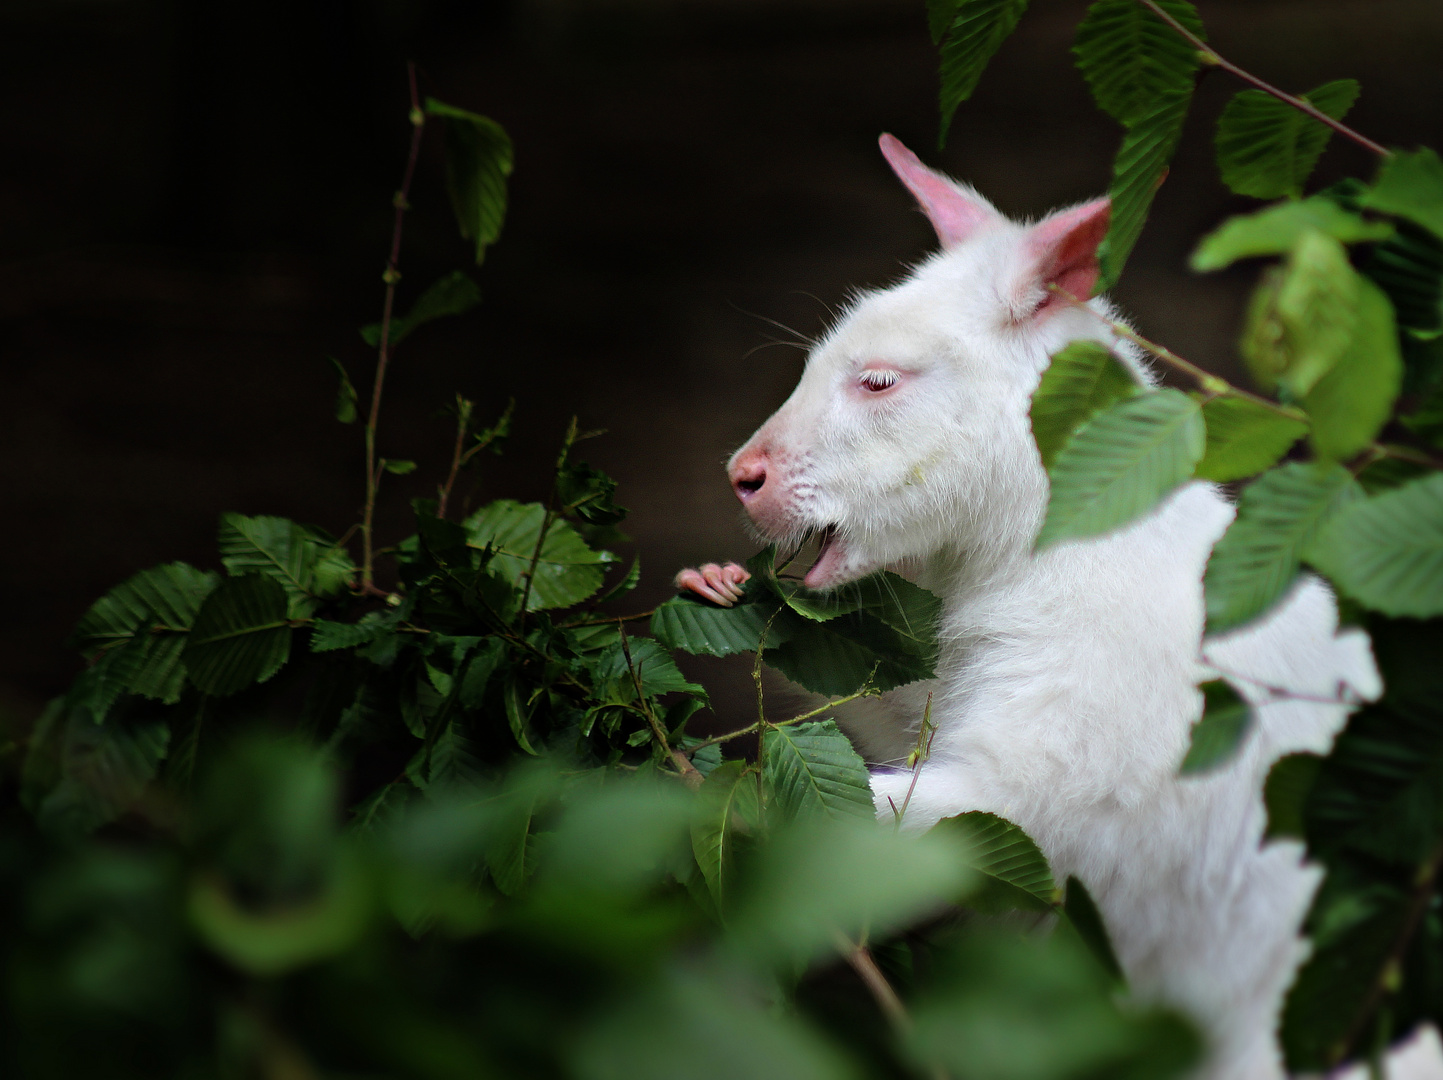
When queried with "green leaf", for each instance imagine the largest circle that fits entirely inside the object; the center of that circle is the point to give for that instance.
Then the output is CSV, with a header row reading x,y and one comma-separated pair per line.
x,y
1084,917
1131,59
147,616
346,397
567,572
276,547
1279,514
102,770
1121,463
478,161
837,656
1138,170
1387,552
241,635
626,584
454,294
978,29
587,493
1352,402
1267,149
689,623
483,665
726,811
400,468
1410,185
1219,733
328,636
1244,437
518,712
1274,230
1302,317
1285,794
940,14
812,769
1409,268
1014,872
652,665
1083,379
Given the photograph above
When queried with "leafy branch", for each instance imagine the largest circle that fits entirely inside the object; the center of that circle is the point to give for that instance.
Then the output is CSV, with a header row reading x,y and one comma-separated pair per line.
x,y
1210,56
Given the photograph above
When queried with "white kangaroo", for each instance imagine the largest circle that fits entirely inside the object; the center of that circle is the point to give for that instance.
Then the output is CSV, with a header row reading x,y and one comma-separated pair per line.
x,y
1067,682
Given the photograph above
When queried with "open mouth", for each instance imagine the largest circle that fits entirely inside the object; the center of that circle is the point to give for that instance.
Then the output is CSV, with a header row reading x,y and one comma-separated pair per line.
x,y
826,570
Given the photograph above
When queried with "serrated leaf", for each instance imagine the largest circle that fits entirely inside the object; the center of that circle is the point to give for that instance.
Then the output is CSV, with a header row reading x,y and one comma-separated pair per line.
x,y
587,493
812,769
1410,185
1387,552
1302,317
518,712
1352,402
1244,437
328,636
479,158
346,397
147,617
1408,266
1131,58
1279,514
978,29
273,546
1285,794
484,663
1219,733
651,664
940,14
241,635
836,657
726,809
1005,856
1267,149
1275,229
1083,379
693,625
1117,467
1138,170
399,468
626,584
454,294
567,572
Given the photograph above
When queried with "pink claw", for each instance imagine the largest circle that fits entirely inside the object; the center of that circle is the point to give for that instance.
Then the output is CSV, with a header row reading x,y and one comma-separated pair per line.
x,y
719,584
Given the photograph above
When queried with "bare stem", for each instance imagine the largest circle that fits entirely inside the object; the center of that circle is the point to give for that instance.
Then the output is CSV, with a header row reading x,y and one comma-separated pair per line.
x,y
458,454
921,754
1210,56
867,690
383,352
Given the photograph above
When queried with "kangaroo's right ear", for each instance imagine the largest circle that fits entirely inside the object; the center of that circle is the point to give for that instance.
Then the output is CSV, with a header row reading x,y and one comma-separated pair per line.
x,y
955,210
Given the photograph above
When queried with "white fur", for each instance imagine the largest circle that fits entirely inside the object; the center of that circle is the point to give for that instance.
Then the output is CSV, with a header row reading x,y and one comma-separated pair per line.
x,y
1067,682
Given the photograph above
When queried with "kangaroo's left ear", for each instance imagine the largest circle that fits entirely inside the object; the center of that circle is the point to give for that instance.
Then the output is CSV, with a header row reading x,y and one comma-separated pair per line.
x,y
1061,251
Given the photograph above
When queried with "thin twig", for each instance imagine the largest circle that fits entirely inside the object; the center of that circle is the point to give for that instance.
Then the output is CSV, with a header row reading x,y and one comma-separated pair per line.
x,y
922,754
861,961
1280,693
383,353
867,690
458,454
689,773
1210,56
1421,901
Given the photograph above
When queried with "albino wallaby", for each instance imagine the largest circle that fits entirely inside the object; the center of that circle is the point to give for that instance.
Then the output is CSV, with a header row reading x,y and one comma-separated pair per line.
x,y
1067,682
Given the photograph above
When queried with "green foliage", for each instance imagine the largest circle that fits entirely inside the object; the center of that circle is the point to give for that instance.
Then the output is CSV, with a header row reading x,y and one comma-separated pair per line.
x,y
1410,185
974,31
1244,437
454,294
812,769
1121,462
1082,380
479,158
1267,148
242,635
1257,559
1350,404
1014,871
1387,551
1219,733
1278,228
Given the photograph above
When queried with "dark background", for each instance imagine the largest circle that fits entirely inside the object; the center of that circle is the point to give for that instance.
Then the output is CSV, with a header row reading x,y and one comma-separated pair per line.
x,y
194,211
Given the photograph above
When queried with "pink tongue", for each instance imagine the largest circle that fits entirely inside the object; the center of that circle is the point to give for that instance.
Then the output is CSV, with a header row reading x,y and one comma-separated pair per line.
x,y
828,567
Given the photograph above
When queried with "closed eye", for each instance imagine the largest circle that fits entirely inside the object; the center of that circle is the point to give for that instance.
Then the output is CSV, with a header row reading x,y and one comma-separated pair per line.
x,y
877,380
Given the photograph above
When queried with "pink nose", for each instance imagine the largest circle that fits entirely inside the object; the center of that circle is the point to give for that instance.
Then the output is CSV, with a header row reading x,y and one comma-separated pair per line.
x,y
748,473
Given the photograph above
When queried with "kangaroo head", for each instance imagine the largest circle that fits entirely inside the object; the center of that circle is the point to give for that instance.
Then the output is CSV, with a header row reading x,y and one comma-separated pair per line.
x,y
908,434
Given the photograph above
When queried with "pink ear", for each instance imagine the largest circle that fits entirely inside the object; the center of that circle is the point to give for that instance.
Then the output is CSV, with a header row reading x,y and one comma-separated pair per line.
x,y
1063,248
955,212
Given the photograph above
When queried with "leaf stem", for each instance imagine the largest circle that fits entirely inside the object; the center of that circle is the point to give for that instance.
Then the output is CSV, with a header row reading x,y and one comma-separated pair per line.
x,y
690,775
458,454
867,690
1211,56
383,353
